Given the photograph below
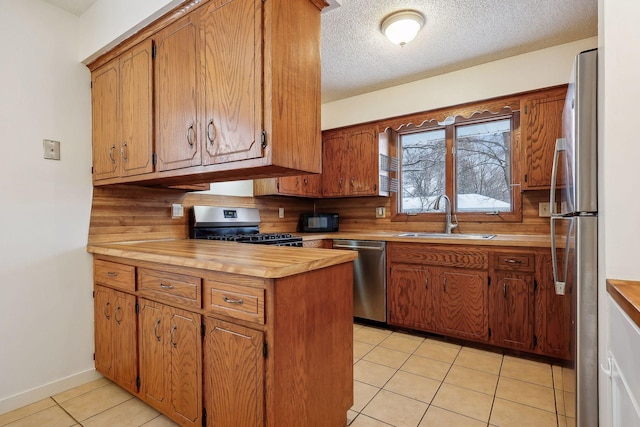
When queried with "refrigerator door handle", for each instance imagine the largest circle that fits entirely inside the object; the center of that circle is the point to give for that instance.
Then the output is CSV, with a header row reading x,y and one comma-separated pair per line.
x,y
561,145
560,282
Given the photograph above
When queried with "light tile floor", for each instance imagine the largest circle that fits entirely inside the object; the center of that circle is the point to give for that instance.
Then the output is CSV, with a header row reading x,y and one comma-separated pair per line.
x,y
400,380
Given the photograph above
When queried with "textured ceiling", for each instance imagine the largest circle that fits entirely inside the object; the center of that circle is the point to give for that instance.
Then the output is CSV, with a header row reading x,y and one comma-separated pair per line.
x,y
357,58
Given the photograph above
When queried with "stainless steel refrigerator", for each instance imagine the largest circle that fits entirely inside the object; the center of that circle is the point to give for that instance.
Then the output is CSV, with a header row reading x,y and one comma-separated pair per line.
x,y
574,228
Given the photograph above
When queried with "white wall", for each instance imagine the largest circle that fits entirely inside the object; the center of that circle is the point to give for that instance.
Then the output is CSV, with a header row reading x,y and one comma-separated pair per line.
x,y
620,156
534,70
46,309
108,22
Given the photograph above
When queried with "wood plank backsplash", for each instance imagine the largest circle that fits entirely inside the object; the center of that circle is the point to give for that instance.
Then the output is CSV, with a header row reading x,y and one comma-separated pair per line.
x,y
128,213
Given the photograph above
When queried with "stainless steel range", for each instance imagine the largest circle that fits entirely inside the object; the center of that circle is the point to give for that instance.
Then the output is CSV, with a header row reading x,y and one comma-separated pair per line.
x,y
234,224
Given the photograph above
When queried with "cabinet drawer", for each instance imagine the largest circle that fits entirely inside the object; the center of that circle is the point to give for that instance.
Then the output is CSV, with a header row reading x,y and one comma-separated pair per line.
x,y
241,302
170,287
115,275
447,256
513,261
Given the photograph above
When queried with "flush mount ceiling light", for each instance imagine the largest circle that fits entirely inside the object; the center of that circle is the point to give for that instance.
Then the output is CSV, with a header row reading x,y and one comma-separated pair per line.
x,y
401,27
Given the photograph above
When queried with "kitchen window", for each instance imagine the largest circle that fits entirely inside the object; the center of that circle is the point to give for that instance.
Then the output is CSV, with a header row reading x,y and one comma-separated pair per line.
x,y
472,161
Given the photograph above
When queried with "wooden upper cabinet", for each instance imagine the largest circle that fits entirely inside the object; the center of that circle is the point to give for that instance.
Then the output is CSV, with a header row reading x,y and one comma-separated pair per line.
x,y
541,125
335,164
232,64
351,162
122,108
176,87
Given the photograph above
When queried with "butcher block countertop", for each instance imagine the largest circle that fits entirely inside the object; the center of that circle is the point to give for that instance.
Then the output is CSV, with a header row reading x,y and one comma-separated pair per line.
x,y
518,240
269,262
627,294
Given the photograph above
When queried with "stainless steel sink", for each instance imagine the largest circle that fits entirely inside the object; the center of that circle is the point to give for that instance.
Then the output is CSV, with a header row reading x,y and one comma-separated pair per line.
x,y
448,236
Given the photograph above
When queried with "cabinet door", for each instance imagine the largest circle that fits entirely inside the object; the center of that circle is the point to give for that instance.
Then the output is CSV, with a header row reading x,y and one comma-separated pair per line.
x,y
311,185
232,62
233,367
153,354
176,89
136,109
553,312
103,307
411,297
104,121
463,302
290,185
363,167
512,310
125,341
335,165
185,366
541,125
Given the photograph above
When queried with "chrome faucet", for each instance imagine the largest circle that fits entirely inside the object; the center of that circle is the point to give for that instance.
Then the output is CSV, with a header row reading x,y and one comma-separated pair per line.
x,y
448,226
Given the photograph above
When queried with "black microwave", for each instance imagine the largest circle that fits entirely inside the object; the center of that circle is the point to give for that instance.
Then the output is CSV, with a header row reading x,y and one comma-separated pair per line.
x,y
318,222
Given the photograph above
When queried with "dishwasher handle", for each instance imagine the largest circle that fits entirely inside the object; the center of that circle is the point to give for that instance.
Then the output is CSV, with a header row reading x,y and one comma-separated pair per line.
x,y
372,248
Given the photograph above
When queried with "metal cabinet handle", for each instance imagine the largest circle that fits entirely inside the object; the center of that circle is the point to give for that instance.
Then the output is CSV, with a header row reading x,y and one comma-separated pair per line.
x,y
426,282
211,131
190,135
305,180
155,330
112,274
233,301
504,289
173,329
123,151
115,315
113,147
163,286
104,310
444,282
513,261
353,182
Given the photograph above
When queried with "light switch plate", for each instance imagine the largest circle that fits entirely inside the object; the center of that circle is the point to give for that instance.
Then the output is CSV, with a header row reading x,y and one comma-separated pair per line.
x,y
280,212
380,212
544,209
51,149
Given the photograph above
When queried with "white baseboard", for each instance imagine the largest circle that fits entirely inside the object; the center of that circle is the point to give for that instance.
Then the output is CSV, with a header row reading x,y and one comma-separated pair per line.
x,y
47,390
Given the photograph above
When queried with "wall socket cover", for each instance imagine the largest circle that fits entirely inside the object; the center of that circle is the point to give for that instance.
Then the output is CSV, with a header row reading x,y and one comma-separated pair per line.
x,y
51,149
280,212
177,211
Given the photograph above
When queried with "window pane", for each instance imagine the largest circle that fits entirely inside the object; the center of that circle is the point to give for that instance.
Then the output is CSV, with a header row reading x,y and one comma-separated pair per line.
x,y
483,167
423,170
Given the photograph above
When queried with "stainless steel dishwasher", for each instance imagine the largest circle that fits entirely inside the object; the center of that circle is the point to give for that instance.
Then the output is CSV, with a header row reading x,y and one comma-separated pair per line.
x,y
369,278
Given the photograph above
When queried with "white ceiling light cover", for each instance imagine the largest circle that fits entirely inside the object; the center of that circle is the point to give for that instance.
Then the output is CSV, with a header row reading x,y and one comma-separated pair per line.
x,y
403,26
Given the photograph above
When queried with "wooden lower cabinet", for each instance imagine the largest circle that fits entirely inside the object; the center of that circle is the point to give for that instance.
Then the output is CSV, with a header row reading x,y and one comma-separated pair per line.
x,y
554,313
463,308
116,355
239,351
512,310
501,296
411,299
233,374
171,361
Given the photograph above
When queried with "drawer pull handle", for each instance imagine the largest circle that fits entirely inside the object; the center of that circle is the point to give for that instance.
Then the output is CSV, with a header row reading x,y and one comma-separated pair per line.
x,y
444,282
155,330
173,342
106,307
112,274
115,315
163,286
426,282
504,289
233,301
513,261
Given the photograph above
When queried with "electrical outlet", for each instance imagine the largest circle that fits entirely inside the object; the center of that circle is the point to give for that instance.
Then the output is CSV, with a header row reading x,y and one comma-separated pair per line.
x,y
380,212
280,212
51,149
544,209
177,211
